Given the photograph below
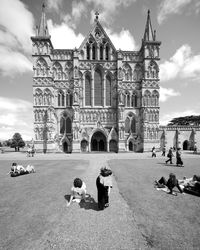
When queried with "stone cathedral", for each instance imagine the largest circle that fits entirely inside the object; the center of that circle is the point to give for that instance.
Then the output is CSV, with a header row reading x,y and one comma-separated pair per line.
x,y
95,98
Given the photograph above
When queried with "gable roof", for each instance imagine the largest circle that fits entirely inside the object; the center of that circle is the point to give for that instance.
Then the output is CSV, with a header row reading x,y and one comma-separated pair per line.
x,y
97,34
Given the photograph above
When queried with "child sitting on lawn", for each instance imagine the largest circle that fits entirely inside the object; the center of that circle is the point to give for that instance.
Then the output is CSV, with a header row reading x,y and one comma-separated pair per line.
x,y
78,191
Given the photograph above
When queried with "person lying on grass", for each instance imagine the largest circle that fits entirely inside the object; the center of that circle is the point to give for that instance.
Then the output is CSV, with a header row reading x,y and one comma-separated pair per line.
x,y
193,182
20,170
78,191
171,183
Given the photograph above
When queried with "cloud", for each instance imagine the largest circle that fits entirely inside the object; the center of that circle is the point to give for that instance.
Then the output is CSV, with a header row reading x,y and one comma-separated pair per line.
x,y
16,27
165,94
166,118
13,62
169,7
16,115
78,9
123,40
108,9
54,4
60,35
182,64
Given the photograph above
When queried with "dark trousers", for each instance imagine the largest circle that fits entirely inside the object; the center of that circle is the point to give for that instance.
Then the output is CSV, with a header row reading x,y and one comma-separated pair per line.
x,y
179,161
102,194
170,159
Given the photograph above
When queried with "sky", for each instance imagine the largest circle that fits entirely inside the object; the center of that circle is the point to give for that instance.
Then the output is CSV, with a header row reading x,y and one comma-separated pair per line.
x,y
176,22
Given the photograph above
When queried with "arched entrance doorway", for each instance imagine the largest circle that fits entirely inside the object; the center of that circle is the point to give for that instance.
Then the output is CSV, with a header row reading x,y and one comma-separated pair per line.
x,y
65,147
84,146
98,142
186,145
130,146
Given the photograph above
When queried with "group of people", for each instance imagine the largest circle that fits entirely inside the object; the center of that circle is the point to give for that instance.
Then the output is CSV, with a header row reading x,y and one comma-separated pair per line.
x,y
186,184
103,184
170,154
17,170
30,151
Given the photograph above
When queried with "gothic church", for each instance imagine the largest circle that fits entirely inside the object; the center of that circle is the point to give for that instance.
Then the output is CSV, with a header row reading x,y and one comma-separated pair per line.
x,y
95,98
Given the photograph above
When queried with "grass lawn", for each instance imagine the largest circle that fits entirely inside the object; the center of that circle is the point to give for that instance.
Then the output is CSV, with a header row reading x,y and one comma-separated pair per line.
x,y
30,205
166,221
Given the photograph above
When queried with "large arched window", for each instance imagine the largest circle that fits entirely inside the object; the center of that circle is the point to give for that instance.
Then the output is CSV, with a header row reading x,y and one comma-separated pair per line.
x,y
108,91
133,125
93,52
107,52
65,124
101,52
87,91
97,88
127,125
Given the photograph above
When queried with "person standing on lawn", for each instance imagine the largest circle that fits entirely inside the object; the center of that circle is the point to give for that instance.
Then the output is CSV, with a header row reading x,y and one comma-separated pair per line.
x,y
169,155
153,152
104,185
178,158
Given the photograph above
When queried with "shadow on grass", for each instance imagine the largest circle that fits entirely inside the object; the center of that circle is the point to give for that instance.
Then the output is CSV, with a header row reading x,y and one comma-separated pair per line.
x,y
89,202
171,165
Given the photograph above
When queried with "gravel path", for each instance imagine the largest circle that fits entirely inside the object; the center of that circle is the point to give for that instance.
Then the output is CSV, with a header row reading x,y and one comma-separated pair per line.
x,y
84,227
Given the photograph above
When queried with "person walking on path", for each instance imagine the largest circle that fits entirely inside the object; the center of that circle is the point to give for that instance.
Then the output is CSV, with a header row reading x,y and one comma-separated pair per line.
x,y
178,158
164,151
169,155
104,184
153,152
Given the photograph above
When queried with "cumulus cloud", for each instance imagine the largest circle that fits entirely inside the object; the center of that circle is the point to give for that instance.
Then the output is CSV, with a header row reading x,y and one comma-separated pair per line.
x,y
60,35
108,9
16,27
123,40
78,9
13,62
16,115
166,118
166,93
169,7
182,64
54,4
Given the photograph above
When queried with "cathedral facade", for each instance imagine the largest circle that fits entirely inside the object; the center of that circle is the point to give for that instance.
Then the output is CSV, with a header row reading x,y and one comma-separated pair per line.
x,y
95,98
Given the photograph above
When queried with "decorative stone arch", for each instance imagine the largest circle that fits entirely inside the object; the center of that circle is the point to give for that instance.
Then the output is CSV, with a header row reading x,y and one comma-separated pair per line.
x,y
155,98
41,67
65,123
65,144
137,74
131,144
57,71
60,98
47,96
152,70
147,98
127,72
38,96
98,140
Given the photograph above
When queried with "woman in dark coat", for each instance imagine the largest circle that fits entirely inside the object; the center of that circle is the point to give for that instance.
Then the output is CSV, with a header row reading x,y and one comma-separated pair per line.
x,y
104,184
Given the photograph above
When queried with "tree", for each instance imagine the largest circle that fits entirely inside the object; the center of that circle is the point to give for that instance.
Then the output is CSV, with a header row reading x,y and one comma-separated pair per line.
x,y
17,142
187,120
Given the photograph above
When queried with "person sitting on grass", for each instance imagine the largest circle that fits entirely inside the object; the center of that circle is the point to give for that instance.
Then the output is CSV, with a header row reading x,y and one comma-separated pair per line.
x,y
170,183
78,191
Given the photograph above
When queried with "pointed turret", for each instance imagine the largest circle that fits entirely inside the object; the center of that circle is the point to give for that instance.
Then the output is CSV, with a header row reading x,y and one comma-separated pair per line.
x,y
149,34
43,28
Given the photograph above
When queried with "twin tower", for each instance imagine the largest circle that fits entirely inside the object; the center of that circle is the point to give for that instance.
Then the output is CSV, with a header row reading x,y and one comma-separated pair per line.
x,y
95,98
